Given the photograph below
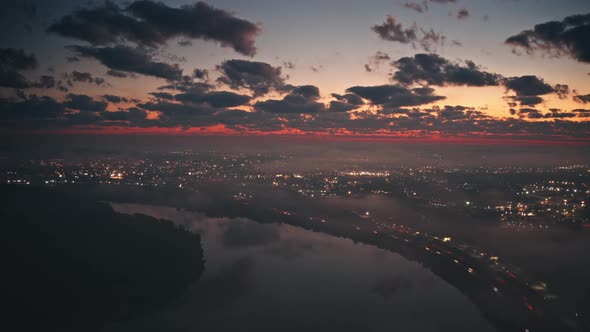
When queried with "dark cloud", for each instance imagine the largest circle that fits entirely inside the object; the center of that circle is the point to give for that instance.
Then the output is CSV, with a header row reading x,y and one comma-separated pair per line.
x,y
301,100
345,103
526,100
128,59
295,111
528,86
84,103
150,23
259,77
582,113
12,79
448,114
183,115
43,112
583,99
341,106
45,82
133,115
558,114
85,77
199,21
562,90
530,113
163,95
187,84
553,113
168,108
106,24
215,98
290,104
432,69
395,95
568,37
462,14
201,74
349,98
30,108
12,62
310,92
117,74
392,31
82,77
115,99
17,59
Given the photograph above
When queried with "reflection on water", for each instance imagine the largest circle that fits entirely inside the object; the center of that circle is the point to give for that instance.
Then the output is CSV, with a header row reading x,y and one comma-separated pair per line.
x,y
279,277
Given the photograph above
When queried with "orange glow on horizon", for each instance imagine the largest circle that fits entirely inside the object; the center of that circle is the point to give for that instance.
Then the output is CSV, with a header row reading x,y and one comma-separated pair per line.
x,y
336,134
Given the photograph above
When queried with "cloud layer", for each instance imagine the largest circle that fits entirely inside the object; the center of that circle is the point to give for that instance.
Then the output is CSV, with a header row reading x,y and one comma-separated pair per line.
x,y
150,23
567,37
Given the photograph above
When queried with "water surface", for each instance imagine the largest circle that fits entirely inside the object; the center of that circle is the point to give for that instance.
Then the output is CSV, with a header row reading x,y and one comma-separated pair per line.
x,y
283,278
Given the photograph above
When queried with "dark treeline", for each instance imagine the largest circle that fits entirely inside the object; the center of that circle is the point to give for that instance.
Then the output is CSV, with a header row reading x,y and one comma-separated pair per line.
x,y
73,264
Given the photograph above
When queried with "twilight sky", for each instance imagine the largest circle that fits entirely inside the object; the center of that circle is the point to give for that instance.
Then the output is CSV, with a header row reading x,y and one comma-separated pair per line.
x,y
430,69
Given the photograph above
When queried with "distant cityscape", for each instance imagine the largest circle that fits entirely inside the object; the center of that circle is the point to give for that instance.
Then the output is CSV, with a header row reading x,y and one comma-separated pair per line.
x,y
516,197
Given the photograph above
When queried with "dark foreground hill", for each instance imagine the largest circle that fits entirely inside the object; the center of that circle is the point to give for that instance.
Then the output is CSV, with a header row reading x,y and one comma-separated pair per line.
x,y
72,264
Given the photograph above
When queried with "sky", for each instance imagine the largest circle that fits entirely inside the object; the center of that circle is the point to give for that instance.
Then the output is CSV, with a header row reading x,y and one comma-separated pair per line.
x,y
412,70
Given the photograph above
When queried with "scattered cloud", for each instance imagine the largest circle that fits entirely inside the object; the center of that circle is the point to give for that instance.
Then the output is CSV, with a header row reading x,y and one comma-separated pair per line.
x,y
127,59
201,74
288,64
149,23
433,69
115,73
376,60
528,85
462,14
583,99
115,99
84,103
258,77
568,37
395,95
392,30
12,62
214,98
301,100
84,77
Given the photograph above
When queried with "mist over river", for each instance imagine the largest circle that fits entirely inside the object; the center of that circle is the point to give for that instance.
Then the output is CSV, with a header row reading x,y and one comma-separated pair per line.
x,y
280,277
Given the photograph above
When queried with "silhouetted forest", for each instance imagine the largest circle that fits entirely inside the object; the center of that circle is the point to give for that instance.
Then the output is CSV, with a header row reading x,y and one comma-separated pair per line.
x,y
73,264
